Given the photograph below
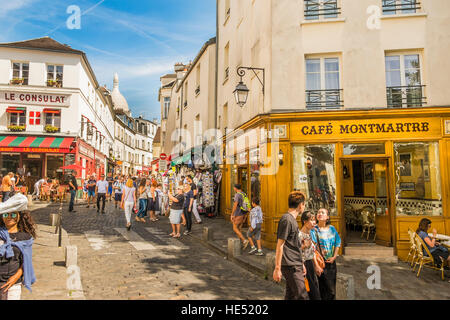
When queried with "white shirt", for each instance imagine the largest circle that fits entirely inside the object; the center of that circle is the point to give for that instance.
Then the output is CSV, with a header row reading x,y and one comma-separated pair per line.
x,y
102,186
38,184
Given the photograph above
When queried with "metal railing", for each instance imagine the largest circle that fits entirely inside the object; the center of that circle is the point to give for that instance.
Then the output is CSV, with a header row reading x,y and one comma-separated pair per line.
x,y
405,97
392,6
328,99
315,9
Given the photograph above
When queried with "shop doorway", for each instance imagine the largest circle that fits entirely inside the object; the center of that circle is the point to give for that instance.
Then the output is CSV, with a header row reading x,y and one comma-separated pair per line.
x,y
33,168
243,179
366,202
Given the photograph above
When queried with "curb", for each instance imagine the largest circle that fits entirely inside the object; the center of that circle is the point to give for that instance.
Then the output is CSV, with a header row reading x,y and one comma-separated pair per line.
x,y
345,285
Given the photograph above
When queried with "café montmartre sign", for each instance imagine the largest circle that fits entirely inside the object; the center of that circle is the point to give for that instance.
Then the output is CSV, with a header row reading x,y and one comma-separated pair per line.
x,y
45,99
366,128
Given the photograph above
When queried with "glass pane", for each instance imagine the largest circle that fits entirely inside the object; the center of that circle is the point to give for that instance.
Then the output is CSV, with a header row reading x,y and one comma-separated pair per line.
x,y
311,9
25,67
393,78
16,66
389,7
314,174
57,121
392,63
381,205
54,163
313,65
412,70
22,119
418,179
330,9
9,163
233,181
351,149
13,117
408,6
48,119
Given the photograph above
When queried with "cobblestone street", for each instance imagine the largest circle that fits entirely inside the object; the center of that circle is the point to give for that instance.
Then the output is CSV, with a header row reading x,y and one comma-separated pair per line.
x,y
146,263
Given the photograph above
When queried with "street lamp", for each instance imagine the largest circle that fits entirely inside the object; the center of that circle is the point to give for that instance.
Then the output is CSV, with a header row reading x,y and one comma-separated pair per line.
x,y
241,91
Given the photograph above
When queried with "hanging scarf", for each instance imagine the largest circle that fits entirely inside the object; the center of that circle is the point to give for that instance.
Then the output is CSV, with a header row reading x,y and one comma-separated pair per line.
x,y
25,248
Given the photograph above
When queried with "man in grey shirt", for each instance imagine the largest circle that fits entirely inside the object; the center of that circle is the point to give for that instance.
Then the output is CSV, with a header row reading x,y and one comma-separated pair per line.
x,y
101,190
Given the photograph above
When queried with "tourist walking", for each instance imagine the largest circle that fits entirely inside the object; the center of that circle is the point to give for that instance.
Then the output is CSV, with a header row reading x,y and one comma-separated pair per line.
x,y
118,189
128,201
238,214
308,220
254,232
176,211
288,256
153,202
91,190
101,189
73,187
159,194
328,241
142,201
7,185
194,205
17,233
110,181
187,209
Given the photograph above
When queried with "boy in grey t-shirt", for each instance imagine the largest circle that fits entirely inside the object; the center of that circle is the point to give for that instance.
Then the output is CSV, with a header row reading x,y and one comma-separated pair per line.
x,y
256,220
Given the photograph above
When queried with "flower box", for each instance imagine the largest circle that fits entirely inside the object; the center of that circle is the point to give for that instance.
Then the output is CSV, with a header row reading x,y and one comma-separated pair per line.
x,y
51,129
16,128
17,81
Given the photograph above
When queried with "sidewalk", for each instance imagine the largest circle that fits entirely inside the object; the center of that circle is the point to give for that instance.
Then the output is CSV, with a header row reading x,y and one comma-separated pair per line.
x,y
398,282
48,262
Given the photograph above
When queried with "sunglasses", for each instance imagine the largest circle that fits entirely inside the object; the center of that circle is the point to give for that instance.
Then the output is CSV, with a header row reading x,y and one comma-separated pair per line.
x,y
12,215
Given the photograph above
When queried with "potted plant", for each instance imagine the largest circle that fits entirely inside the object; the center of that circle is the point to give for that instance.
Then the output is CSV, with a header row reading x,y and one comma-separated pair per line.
x,y
51,83
16,128
51,129
16,80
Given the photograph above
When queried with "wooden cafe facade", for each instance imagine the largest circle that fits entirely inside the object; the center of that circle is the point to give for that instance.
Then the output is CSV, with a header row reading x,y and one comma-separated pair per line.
x,y
393,161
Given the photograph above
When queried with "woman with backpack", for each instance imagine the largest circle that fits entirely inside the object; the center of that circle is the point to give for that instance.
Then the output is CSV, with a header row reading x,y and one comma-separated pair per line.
x,y
238,214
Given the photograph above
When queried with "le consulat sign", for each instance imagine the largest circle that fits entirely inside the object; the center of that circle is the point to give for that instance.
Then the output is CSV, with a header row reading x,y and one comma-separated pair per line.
x,y
34,98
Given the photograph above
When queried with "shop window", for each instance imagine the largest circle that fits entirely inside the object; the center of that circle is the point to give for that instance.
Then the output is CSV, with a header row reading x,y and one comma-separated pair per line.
x,y
315,175
391,7
54,164
255,180
20,73
355,149
321,9
323,84
9,162
418,179
403,81
233,180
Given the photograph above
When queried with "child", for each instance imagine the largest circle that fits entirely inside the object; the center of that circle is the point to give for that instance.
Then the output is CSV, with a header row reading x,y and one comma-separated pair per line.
x,y
256,219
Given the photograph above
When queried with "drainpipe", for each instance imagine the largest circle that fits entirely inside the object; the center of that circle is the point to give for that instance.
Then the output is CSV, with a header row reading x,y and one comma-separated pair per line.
x,y
217,66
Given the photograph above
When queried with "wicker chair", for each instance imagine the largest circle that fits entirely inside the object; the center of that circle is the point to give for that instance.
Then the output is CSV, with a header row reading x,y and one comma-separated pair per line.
x,y
426,260
368,223
412,246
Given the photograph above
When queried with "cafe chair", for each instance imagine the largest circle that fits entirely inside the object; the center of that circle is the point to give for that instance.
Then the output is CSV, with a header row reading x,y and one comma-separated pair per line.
x,y
412,247
426,260
368,224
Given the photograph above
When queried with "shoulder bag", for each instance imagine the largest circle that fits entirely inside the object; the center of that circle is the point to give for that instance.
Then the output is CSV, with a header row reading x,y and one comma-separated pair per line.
x,y
318,257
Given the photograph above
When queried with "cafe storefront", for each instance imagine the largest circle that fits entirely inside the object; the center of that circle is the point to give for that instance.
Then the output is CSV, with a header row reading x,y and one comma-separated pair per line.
x,y
389,161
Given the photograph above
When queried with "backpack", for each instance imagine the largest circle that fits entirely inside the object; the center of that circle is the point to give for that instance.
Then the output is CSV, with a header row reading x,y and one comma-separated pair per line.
x,y
246,206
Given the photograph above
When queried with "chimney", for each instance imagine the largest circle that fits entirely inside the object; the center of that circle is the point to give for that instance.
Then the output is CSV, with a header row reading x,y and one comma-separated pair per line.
x,y
180,70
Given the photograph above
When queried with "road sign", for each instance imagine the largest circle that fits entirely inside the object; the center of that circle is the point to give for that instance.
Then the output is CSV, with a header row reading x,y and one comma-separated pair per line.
x,y
163,156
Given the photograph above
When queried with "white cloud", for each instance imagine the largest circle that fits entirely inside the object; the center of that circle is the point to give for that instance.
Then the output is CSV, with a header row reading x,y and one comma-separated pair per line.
x,y
6,6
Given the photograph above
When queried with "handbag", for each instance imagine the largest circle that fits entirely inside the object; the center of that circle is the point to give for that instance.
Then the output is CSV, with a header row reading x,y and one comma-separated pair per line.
x,y
318,253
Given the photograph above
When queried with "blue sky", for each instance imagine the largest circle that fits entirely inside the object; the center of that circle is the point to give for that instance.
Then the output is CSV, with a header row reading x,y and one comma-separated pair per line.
x,y
139,39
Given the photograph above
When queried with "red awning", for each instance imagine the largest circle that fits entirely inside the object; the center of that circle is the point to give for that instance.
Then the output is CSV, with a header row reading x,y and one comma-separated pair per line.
x,y
35,144
56,111
15,110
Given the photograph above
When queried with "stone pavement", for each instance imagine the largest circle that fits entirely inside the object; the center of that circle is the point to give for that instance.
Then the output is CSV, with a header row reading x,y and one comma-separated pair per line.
x,y
398,282
148,264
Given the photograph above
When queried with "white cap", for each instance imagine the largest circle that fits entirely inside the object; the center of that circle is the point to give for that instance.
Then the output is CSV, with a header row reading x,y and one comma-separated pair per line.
x,y
16,203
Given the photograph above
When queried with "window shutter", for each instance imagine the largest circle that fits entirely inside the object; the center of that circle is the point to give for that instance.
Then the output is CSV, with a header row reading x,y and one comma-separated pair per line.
x,y
31,117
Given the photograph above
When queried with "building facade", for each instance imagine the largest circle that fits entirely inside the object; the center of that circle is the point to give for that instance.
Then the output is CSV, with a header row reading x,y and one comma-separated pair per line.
x,y
351,109
49,100
54,114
